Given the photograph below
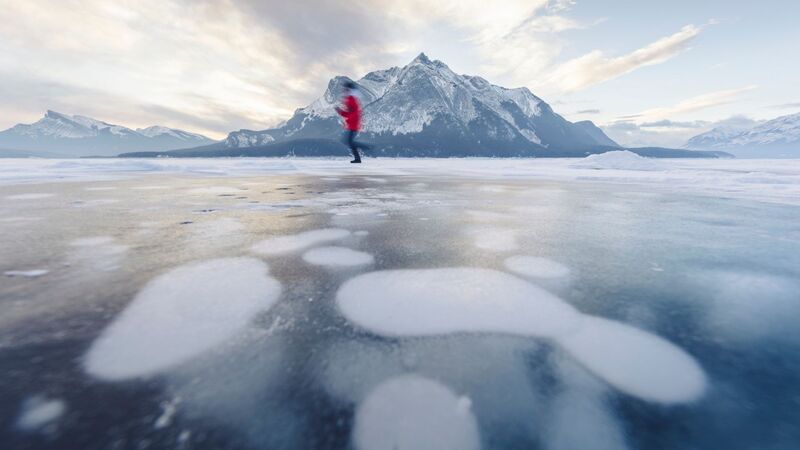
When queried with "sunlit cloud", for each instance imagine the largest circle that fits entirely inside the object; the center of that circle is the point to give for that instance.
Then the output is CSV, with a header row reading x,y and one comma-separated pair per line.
x,y
595,67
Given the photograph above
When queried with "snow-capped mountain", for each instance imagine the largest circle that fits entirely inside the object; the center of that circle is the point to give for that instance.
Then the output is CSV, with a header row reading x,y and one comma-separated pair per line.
x,y
65,135
425,108
778,137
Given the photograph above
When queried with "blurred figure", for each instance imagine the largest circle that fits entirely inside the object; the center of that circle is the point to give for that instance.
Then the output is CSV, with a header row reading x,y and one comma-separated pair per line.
x,y
351,111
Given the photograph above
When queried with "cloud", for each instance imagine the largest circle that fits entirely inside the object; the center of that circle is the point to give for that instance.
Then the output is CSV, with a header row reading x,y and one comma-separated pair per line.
x,y
794,105
588,111
696,103
664,123
595,67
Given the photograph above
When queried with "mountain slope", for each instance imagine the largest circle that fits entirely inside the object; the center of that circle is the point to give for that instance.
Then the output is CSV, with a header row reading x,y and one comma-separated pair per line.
x,y
426,109
70,136
778,137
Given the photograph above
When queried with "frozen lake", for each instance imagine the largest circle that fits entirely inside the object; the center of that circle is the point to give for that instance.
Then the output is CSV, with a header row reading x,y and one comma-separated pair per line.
x,y
413,304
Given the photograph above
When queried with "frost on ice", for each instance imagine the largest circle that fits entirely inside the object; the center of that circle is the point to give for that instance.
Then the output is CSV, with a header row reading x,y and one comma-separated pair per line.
x,y
181,314
458,300
337,256
412,412
296,242
38,412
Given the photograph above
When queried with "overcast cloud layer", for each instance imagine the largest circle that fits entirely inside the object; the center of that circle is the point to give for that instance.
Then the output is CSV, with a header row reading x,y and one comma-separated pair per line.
x,y
213,66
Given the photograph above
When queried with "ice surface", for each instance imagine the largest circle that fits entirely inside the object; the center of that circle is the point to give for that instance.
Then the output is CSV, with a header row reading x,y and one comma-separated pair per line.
x,y
635,362
581,416
215,190
750,306
38,412
622,160
778,180
181,314
452,300
412,412
296,242
495,239
536,267
97,253
337,256
26,273
32,196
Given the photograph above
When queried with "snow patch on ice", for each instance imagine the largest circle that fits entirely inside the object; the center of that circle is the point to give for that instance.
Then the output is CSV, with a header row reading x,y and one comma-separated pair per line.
x,y
536,267
32,196
26,273
292,243
452,300
182,314
620,160
337,256
412,412
635,362
38,412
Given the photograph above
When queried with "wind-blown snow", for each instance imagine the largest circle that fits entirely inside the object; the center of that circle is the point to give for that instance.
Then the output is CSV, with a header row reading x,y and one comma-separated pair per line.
x,y
467,300
34,273
38,412
32,196
412,412
180,315
296,242
337,256
536,267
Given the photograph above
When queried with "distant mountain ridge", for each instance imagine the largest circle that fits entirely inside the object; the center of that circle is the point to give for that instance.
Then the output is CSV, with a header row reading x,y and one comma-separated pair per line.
x,y
779,137
58,134
425,109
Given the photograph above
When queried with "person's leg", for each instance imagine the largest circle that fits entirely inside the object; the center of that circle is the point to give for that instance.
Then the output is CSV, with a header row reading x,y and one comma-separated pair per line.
x,y
351,138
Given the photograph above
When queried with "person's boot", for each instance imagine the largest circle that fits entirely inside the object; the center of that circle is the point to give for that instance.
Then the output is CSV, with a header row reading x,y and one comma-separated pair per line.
x,y
356,161
356,157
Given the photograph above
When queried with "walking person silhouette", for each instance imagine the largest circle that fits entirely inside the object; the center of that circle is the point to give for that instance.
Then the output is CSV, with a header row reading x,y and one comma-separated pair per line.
x,y
351,112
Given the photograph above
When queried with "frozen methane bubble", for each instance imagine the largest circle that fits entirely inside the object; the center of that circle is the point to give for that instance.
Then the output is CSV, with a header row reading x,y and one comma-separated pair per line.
x,y
635,362
536,267
412,303
451,300
296,242
337,256
181,314
412,412
38,412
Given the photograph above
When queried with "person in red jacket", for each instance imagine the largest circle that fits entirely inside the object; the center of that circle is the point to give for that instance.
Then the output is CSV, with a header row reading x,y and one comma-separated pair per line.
x,y
351,111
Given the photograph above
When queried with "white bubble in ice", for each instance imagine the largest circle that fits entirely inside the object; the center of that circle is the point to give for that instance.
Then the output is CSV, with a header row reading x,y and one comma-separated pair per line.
x,y
412,412
296,242
337,257
181,314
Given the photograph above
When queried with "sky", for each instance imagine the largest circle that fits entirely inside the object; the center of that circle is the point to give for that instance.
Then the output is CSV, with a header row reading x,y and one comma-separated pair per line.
x,y
649,72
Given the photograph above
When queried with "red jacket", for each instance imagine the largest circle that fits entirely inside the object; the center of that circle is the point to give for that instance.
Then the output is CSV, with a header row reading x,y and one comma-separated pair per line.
x,y
351,113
